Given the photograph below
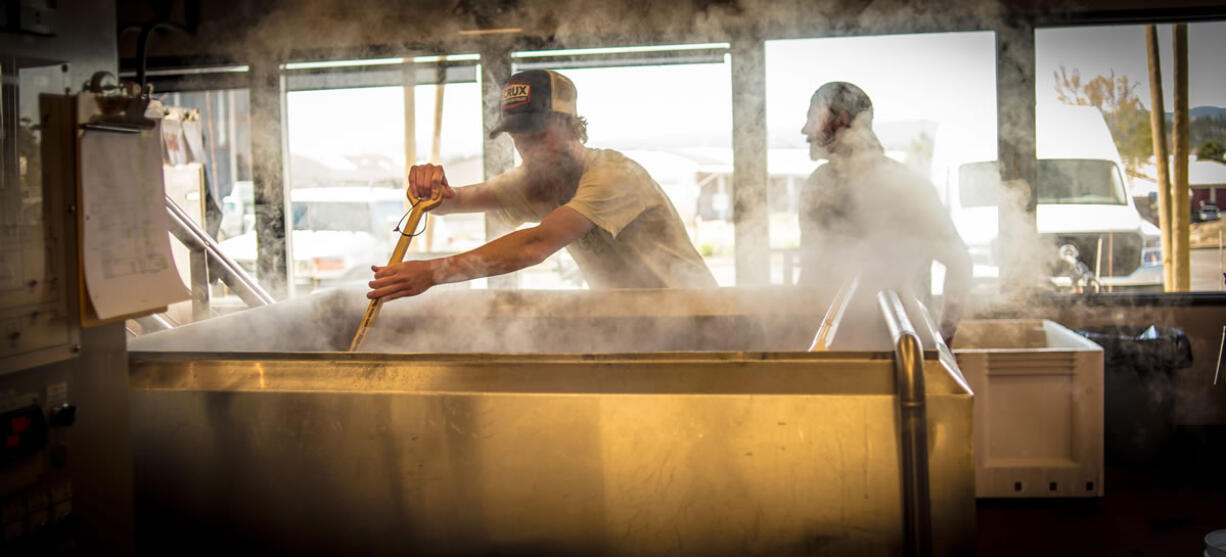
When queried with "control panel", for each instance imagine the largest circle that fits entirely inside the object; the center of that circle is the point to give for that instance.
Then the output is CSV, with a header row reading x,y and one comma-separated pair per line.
x,y
36,514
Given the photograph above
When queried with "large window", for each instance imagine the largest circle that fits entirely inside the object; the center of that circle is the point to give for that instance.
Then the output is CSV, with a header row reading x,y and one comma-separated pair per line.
x,y
1096,79
207,171
923,88
348,152
669,108
225,125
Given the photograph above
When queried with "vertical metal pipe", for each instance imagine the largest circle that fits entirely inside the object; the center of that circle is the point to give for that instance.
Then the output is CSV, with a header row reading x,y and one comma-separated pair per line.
x,y
1157,125
913,425
1180,211
749,172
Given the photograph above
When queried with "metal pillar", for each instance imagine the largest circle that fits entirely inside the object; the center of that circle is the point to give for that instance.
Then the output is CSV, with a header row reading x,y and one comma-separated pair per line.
x,y
499,151
749,173
268,174
1015,121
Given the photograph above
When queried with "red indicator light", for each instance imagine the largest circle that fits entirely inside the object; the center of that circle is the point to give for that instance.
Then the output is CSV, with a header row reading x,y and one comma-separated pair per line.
x,y
20,424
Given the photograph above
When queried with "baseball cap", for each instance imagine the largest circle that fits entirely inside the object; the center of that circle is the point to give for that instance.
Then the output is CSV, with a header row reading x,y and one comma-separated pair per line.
x,y
530,97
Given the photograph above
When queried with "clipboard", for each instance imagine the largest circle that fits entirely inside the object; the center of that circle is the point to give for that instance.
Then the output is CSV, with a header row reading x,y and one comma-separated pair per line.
x,y
125,268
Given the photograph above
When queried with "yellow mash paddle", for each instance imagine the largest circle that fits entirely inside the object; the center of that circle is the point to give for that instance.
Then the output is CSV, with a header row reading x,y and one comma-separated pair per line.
x,y
420,207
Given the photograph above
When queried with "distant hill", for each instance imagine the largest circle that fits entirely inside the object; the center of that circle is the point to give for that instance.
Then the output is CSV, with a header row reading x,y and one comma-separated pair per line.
x,y
1201,112
1210,111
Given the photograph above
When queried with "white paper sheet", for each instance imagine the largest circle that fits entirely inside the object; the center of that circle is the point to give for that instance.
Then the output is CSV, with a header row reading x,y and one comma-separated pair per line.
x,y
127,262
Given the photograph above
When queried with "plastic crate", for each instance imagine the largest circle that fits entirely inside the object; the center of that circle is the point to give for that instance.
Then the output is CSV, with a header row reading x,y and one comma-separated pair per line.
x,y
1038,408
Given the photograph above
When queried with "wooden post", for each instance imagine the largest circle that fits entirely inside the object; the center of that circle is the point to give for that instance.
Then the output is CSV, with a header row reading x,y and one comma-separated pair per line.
x,y
1180,211
1157,123
436,147
409,87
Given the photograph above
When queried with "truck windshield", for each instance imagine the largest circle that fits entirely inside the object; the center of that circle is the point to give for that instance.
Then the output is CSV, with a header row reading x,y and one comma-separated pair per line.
x,y
1080,181
1061,181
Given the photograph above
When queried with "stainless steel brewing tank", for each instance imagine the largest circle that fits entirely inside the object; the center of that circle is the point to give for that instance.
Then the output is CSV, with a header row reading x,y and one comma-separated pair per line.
x,y
717,437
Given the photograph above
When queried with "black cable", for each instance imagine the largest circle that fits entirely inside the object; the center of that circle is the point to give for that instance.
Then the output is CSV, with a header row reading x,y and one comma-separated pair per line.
x,y
413,235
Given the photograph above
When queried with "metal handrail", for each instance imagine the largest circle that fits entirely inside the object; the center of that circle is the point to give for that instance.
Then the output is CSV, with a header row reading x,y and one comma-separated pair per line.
x,y
909,377
155,322
230,273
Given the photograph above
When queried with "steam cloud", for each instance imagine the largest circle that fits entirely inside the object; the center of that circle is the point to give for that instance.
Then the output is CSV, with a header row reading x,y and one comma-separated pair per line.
x,y
278,32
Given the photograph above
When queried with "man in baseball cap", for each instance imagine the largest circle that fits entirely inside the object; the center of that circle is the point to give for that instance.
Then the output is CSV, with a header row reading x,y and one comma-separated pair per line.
x,y
530,99
613,218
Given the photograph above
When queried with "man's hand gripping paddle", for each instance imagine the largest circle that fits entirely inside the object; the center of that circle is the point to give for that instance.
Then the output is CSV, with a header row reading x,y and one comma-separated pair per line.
x,y
420,208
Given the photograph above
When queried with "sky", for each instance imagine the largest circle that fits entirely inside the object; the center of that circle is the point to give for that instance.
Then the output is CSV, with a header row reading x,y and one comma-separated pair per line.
x,y
1099,50
947,79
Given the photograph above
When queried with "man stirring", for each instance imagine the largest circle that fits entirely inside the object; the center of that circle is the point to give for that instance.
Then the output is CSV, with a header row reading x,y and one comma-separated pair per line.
x,y
863,214
612,217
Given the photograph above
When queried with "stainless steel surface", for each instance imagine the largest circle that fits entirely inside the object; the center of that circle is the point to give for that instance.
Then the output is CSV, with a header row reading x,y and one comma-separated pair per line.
x,y
694,452
232,274
154,322
723,453
909,379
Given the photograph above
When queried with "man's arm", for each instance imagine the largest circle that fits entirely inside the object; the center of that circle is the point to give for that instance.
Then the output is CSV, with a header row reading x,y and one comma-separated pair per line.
x,y
938,229
958,271
425,179
512,252
469,199
952,253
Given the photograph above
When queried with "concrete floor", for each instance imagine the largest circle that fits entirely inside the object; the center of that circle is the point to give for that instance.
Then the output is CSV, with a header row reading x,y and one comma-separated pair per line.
x,y
1206,270
1158,507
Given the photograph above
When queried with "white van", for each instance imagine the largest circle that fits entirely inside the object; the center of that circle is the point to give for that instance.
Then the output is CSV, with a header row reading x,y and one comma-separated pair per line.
x,y
1083,201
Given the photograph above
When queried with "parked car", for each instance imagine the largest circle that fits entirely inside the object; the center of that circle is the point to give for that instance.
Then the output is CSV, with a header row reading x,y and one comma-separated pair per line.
x,y
1206,213
1082,201
237,214
338,233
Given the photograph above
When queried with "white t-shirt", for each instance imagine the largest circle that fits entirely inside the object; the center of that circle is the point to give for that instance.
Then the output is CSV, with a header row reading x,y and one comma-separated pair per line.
x,y
638,240
863,214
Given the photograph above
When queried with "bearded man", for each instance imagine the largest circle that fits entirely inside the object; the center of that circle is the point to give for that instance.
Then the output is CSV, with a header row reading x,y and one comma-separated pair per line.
x,y
613,218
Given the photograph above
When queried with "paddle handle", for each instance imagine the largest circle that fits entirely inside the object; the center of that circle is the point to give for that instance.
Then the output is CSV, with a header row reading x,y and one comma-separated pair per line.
x,y
402,247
